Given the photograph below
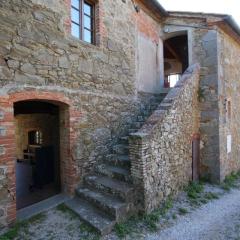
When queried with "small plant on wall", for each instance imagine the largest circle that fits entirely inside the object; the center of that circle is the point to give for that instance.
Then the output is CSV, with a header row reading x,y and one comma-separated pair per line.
x,y
201,96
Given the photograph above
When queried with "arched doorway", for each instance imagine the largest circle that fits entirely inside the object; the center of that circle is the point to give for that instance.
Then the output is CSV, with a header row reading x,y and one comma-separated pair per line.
x,y
68,135
176,58
37,132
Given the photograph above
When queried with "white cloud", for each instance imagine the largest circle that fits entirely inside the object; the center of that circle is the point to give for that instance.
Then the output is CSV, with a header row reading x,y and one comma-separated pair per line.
x,y
230,7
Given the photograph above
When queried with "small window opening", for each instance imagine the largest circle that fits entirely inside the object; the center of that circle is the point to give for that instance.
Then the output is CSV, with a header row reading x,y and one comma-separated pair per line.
x,y
229,110
173,79
35,138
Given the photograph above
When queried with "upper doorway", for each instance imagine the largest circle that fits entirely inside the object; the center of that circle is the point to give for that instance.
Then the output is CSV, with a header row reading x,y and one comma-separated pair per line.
x,y
176,59
37,134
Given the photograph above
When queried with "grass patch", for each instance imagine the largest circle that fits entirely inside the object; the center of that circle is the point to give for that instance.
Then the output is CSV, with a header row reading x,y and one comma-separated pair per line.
x,y
194,189
166,206
153,218
86,228
83,226
37,218
65,209
182,211
14,231
211,196
149,220
123,229
203,200
230,181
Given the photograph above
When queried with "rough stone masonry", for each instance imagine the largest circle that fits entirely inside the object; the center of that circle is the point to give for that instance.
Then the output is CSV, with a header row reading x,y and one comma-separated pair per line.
x,y
101,88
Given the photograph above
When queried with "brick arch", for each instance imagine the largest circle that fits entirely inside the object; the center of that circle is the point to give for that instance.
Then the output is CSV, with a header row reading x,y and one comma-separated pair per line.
x,y
68,119
58,98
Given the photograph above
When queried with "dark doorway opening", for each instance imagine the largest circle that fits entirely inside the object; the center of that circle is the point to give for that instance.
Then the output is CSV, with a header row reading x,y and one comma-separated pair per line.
x,y
196,158
175,59
37,151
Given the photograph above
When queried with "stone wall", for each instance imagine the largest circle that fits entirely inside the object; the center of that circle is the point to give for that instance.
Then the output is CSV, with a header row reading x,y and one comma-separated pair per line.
x,y
4,197
36,53
161,151
101,80
229,113
39,58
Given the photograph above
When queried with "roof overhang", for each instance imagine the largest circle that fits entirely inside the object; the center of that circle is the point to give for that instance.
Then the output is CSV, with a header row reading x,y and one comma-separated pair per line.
x,y
229,26
155,7
230,22
223,21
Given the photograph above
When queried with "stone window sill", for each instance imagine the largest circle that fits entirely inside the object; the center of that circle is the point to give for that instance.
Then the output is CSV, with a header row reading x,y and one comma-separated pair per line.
x,y
81,42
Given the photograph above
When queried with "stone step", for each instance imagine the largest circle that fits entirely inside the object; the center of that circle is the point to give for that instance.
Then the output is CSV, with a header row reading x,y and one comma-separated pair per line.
x,y
146,113
156,100
165,106
141,118
109,204
123,140
121,149
91,215
160,96
154,106
120,189
119,160
137,125
132,130
115,172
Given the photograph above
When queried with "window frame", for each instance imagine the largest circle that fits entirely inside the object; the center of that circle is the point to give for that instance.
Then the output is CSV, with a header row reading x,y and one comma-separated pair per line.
x,y
81,24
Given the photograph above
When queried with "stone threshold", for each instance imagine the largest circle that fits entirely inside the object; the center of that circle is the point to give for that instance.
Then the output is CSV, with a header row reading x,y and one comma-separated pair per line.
x,y
42,206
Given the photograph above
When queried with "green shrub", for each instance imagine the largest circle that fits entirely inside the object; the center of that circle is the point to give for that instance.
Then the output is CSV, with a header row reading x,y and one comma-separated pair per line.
x,y
194,189
182,211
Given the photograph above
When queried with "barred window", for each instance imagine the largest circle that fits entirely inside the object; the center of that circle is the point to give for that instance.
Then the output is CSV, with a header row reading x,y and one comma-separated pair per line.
x,y
82,19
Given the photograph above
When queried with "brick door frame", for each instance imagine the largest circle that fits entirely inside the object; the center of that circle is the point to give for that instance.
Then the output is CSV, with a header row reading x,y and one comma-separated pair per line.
x,y
68,119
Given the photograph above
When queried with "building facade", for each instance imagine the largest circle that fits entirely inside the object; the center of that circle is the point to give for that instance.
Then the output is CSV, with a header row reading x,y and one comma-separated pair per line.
x,y
93,86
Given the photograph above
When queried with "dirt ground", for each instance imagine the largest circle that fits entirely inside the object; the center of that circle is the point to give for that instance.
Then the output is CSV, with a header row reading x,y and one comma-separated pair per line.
x,y
202,211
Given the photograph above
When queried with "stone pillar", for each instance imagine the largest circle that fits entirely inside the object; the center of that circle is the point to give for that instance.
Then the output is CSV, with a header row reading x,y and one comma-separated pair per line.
x,y
138,147
209,123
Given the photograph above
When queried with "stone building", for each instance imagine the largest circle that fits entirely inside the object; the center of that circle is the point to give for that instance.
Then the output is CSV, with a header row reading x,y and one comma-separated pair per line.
x,y
116,103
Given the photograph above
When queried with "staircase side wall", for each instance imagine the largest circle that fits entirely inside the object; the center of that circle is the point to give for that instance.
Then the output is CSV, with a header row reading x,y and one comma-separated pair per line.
x,y
161,151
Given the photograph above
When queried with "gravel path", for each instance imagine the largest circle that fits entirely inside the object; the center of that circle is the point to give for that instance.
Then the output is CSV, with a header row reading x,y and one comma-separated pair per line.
x,y
217,220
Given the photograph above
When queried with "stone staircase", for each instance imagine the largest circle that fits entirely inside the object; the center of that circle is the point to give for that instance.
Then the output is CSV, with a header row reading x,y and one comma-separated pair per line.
x,y
107,196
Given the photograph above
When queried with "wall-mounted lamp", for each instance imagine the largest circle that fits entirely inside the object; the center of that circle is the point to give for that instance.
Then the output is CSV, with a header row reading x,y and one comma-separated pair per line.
x,y
166,30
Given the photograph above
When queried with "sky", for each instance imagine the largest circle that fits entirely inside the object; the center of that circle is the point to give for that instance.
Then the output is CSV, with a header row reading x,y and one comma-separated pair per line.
x,y
231,7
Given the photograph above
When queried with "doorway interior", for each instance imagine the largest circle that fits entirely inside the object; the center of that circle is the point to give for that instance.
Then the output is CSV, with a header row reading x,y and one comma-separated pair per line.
x,y
176,59
37,131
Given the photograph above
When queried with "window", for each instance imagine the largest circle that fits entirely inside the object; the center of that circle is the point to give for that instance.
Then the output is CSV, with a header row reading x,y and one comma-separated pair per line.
x,y
35,138
82,17
173,79
229,110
